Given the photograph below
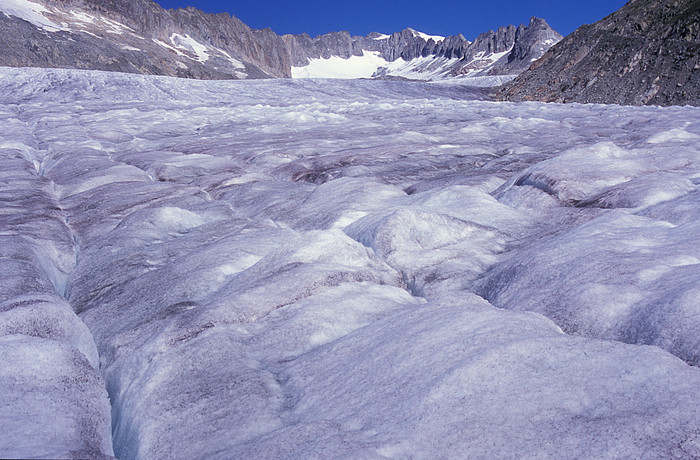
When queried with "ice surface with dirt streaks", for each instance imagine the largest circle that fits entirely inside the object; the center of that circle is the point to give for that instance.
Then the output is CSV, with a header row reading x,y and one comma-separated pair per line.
x,y
343,269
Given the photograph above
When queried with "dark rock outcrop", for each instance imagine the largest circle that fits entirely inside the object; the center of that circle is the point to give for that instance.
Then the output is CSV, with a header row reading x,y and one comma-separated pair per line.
x,y
648,52
530,44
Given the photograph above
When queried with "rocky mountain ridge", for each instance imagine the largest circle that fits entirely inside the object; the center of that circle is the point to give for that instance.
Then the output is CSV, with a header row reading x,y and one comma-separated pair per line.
x,y
485,55
648,52
138,36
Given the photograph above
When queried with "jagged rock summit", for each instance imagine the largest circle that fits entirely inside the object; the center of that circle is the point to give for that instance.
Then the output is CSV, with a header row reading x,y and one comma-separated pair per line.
x,y
648,52
138,36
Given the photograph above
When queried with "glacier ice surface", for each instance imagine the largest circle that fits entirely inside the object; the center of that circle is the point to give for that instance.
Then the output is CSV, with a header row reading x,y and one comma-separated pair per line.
x,y
343,269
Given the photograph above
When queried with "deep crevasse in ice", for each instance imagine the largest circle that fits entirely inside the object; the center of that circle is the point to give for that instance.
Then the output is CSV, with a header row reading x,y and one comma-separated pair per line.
x,y
53,398
279,269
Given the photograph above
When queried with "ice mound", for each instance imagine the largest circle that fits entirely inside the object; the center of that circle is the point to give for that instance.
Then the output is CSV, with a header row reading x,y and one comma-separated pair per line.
x,y
618,276
50,317
428,247
54,404
471,380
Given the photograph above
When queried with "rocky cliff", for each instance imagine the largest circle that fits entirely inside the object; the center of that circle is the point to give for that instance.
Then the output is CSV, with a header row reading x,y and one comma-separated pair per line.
x,y
648,52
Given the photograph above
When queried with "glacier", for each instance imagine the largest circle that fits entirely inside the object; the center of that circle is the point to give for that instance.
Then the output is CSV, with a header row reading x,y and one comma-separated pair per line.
x,y
343,269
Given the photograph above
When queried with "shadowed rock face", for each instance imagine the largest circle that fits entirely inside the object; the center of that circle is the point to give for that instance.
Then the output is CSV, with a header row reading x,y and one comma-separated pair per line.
x,y
138,36
648,52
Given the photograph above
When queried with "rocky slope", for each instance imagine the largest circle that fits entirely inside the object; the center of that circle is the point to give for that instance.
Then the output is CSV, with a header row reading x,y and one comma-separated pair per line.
x,y
648,52
141,37
137,36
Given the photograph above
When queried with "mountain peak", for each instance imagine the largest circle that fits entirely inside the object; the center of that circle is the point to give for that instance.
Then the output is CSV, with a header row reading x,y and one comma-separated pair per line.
x,y
426,37
645,53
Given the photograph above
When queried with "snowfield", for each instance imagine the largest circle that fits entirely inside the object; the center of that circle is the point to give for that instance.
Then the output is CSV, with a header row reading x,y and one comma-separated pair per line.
x,y
343,269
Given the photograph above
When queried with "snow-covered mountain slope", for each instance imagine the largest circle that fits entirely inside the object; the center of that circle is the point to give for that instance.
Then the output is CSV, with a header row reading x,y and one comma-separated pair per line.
x,y
138,36
343,269
414,55
372,65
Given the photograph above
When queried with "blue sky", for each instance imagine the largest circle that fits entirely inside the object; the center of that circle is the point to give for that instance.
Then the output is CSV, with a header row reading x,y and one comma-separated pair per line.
x,y
439,17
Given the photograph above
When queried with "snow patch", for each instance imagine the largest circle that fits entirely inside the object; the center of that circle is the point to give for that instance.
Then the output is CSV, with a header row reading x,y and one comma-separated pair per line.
x,y
82,17
426,37
379,36
172,48
116,27
483,62
235,62
192,46
336,67
31,12
422,68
